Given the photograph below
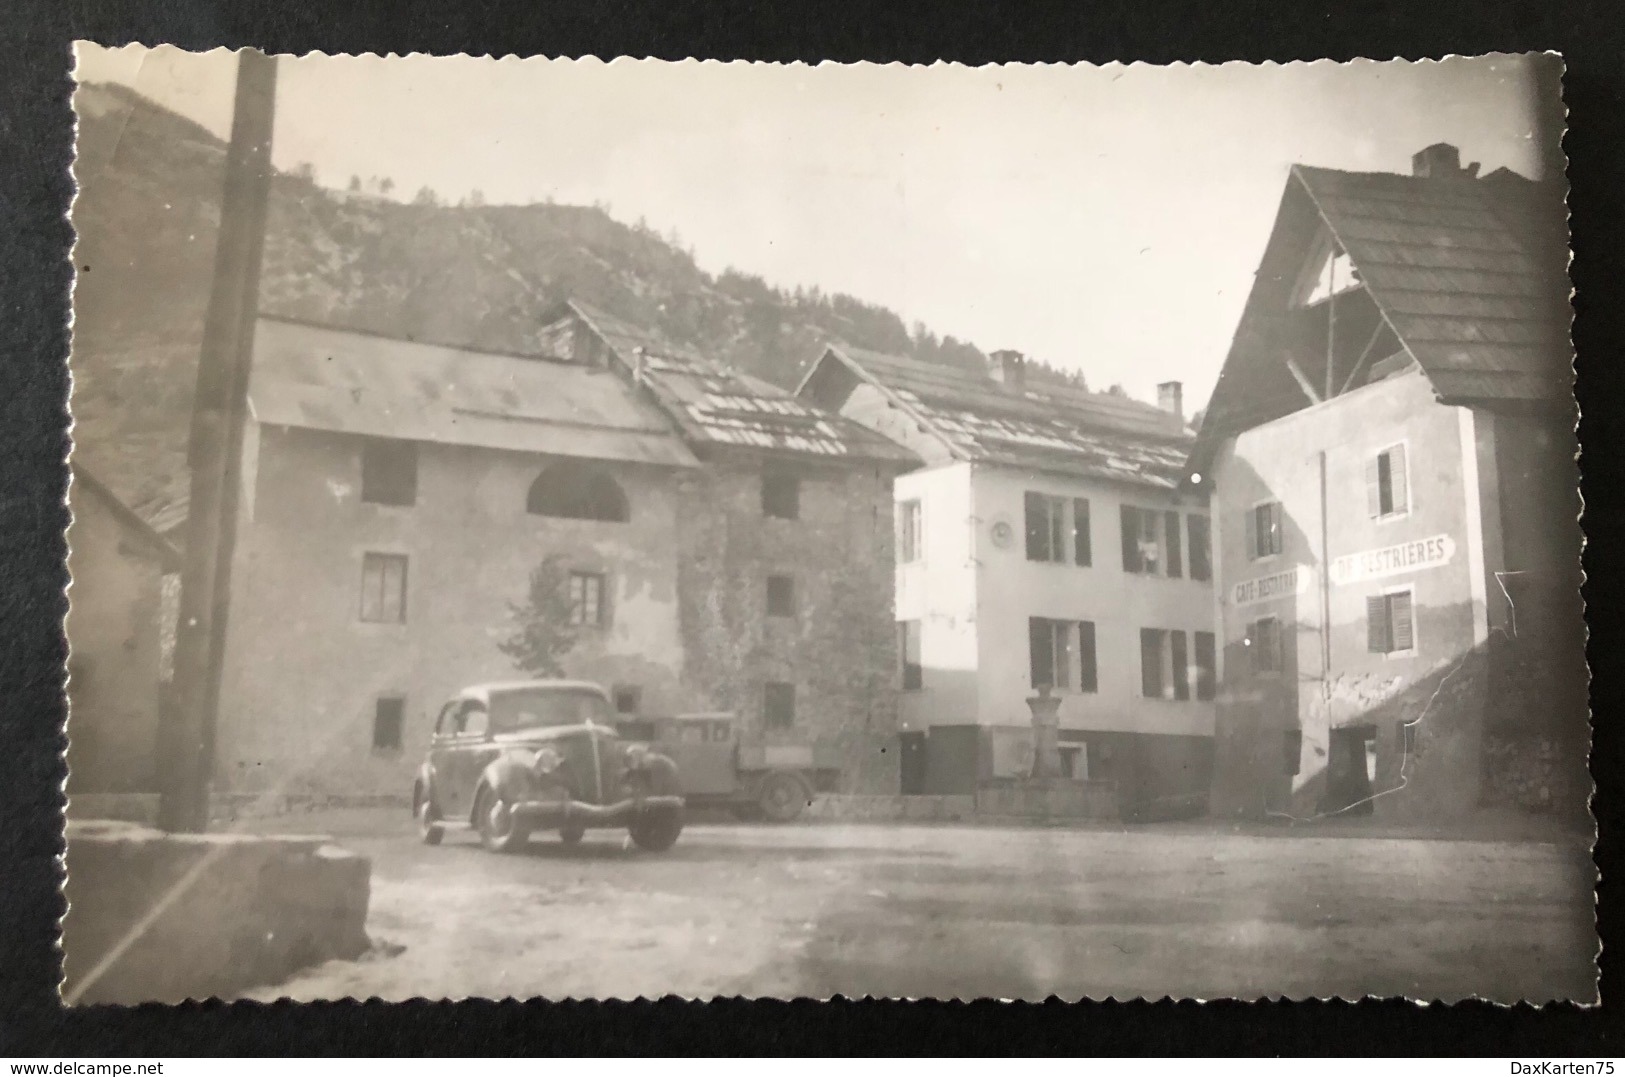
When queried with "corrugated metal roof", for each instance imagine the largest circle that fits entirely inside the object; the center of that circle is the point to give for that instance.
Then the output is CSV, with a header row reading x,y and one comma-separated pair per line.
x,y
1042,427
325,378
1470,274
713,403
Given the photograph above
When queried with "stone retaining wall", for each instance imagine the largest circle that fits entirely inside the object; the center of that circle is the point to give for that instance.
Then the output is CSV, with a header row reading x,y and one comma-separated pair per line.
x,y
226,911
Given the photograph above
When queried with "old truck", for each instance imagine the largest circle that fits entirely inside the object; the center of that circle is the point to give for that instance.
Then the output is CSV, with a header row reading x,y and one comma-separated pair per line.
x,y
721,767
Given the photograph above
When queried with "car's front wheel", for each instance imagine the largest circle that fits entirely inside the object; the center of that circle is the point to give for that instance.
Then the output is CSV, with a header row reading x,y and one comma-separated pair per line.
x,y
428,819
657,831
500,831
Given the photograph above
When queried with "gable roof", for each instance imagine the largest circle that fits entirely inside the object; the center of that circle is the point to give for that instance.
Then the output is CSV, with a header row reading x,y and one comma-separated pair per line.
x,y
159,548
325,378
714,404
1041,426
1469,274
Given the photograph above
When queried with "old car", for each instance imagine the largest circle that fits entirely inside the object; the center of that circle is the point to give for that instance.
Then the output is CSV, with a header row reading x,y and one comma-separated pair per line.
x,y
722,767
512,758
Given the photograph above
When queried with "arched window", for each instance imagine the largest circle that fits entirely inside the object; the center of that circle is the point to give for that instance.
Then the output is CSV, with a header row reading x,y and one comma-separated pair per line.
x,y
577,491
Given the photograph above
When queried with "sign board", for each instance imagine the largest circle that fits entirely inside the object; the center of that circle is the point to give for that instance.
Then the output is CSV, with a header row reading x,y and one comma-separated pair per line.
x,y
1289,582
1393,560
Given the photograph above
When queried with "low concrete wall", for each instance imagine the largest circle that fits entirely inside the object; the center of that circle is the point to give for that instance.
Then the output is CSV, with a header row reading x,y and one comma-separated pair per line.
x,y
229,808
834,807
1057,799
127,807
227,911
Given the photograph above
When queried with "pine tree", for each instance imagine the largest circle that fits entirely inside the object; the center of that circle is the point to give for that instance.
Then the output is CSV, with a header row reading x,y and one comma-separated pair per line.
x,y
542,635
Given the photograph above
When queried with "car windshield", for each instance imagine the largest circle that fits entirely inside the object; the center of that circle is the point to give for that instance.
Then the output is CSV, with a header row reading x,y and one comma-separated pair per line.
x,y
539,708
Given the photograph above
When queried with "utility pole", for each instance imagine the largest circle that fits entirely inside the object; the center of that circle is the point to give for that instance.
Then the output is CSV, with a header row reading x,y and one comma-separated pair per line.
x,y
186,740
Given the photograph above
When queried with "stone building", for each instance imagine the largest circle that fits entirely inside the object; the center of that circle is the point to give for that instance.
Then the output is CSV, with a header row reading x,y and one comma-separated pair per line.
x,y
1390,454
116,623
1044,541
721,546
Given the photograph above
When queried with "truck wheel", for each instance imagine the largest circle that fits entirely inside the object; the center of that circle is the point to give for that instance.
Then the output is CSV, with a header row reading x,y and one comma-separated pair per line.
x,y
782,797
499,831
657,831
428,818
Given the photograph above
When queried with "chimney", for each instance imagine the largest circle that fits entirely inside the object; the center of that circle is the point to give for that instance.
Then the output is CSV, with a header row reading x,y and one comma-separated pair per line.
x,y
1439,160
1009,368
1171,397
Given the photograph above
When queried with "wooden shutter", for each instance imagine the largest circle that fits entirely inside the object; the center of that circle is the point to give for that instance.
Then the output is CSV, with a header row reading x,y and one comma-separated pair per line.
x,y
1399,611
1206,663
1170,535
1041,651
1151,663
1273,510
1397,479
1082,547
1181,667
1037,527
1131,540
1088,678
1201,552
1252,534
1376,620
1373,487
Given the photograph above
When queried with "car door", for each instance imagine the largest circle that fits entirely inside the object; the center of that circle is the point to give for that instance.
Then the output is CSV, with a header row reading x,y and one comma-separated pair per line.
x,y
469,751
442,744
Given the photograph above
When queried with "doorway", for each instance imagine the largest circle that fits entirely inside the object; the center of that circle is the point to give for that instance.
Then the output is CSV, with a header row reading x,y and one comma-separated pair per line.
x,y
1349,763
911,763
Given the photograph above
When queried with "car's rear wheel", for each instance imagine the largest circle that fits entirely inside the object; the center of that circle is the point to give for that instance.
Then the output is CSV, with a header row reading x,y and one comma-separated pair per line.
x,y
656,831
428,819
499,830
782,797
572,833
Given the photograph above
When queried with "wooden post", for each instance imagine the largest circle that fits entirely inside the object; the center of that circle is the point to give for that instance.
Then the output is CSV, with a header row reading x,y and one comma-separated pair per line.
x,y
186,738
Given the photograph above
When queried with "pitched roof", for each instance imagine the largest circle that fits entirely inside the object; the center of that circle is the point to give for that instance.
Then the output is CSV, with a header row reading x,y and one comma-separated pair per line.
x,y
1469,274
167,556
717,405
326,378
1041,426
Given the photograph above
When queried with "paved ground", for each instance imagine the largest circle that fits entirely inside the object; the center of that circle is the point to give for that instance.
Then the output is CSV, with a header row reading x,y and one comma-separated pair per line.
x,y
817,910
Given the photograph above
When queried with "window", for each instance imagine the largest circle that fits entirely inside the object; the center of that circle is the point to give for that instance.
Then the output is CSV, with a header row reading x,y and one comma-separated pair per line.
x,y
781,497
1055,648
1264,530
389,471
1263,645
1164,664
1390,627
1291,750
587,599
908,532
1406,736
1142,541
1082,546
781,596
628,698
575,490
908,646
1046,525
1171,532
778,705
388,718
383,588
1201,551
1206,666
1387,484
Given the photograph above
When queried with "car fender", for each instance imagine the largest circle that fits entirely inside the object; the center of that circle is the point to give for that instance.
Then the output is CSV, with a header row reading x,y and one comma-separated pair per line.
x,y
422,785
660,772
509,775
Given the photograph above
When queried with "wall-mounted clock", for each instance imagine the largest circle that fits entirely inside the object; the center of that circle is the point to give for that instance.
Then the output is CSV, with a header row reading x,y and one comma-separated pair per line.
x,y
1003,534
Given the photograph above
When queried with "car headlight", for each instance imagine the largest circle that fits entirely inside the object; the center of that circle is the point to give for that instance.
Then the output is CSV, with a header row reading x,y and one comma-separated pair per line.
x,y
635,754
547,761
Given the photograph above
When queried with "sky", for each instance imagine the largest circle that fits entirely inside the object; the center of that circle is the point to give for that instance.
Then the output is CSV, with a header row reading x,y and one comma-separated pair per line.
x,y
1103,219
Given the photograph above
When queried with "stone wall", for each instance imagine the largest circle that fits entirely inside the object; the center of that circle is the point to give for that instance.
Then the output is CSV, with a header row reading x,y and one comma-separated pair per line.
x,y
206,914
839,647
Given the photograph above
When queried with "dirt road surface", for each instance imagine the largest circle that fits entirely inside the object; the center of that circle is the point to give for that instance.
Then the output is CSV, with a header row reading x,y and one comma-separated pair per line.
x,y
967,912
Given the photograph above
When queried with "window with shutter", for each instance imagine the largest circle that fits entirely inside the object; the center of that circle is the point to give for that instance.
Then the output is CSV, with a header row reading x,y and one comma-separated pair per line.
x,y
1178,661
1131,540
1206,666
1252,534
1171,532
1373,487
1399,479
1151,663
1037,527
1399,613
1082,547
1088,678
1272,528
1378,640
1387,483
1061,635
1264,645
1041,652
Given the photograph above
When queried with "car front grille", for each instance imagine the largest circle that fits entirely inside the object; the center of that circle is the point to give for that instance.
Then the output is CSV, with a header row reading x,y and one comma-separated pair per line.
x,y
592,762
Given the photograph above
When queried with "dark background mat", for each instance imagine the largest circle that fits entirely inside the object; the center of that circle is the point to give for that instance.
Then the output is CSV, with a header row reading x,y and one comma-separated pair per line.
x,y
36,130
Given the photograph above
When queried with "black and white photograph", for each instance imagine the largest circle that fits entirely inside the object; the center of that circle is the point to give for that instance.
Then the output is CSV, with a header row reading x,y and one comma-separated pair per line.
x,y
599,529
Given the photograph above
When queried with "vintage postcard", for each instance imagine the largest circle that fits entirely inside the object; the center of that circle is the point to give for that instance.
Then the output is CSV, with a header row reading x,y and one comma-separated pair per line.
x,y
565,528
